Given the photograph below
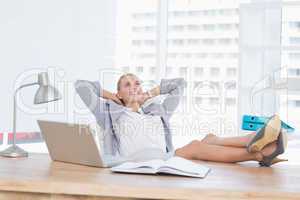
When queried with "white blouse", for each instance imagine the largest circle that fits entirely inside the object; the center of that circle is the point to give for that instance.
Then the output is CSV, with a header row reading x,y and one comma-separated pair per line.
x,y
138,131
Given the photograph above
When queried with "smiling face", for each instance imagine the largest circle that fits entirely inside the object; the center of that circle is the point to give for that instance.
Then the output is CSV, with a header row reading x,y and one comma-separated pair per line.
x,y
129,89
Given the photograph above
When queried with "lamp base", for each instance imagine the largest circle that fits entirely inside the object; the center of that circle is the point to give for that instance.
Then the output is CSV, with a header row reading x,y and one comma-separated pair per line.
x,y
14,152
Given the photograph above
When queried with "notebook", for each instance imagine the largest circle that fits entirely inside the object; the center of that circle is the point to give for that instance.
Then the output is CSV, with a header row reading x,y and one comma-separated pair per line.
x,y
174,166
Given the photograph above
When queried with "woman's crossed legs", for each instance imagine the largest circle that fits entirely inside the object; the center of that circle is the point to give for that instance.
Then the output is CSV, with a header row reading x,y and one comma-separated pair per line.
x,y
223,149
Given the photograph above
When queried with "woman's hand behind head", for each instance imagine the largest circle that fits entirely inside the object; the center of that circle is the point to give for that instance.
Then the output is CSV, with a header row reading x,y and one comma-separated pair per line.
x,y
116,99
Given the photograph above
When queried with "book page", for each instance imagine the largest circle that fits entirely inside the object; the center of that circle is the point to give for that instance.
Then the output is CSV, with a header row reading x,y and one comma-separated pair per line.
x,y
141,170
152,164
185,166
180,173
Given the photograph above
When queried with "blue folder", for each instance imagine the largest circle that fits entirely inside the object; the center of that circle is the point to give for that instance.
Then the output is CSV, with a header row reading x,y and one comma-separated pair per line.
x,y
253,123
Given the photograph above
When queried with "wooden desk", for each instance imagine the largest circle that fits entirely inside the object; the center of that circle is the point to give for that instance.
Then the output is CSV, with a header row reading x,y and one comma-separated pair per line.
x,y
37,177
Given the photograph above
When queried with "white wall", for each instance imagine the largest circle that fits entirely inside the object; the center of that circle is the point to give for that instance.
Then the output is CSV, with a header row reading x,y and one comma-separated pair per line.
x,y
74,36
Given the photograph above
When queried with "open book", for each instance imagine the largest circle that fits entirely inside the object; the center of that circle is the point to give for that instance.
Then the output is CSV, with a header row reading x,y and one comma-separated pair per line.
x,y
175,165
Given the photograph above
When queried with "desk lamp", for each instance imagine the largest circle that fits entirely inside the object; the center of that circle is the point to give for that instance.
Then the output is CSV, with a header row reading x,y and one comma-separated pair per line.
x,y
45,93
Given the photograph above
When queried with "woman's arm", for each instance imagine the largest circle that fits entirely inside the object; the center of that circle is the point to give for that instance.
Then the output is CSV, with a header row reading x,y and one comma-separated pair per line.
x,y
93,95
112,96
174,88
154,92
89,92
150,93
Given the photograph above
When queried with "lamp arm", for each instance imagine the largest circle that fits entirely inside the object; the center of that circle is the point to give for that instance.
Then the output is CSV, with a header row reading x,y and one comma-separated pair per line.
x,y
15,109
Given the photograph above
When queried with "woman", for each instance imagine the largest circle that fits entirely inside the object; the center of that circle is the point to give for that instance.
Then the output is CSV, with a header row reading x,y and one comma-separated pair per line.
x,y
132,124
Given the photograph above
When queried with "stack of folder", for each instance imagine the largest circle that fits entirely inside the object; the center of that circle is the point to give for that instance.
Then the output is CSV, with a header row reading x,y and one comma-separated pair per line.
x,y
253,123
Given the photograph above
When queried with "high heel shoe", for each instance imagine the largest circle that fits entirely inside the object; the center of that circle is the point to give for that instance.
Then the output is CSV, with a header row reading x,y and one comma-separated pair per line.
x,y
272,159
266,135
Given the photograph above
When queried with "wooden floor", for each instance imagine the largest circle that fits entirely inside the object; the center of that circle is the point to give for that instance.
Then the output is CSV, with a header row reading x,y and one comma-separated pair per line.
x,y
37,177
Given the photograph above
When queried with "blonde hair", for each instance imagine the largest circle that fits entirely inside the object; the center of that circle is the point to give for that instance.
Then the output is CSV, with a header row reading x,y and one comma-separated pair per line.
x,y
123,76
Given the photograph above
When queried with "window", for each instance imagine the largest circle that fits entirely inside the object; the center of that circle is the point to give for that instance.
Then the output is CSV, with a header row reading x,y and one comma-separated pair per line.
x,y
193,27
193,42
294,40
177,42
139,69
197,41
208,41
230,101
231,85
176,28
214,100
136,26
215,71
152,70
294,72
290,101
125,69
225,26
231,72
207,45
183,71
199,71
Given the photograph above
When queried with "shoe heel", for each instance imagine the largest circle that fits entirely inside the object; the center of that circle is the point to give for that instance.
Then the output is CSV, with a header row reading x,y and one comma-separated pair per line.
x,y
278,160
272,159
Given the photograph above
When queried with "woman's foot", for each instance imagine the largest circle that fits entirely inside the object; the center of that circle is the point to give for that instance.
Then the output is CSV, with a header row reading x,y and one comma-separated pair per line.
x,y
266,151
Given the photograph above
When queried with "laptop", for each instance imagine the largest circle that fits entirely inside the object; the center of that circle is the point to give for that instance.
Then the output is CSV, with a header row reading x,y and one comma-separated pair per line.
x,y
74,143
